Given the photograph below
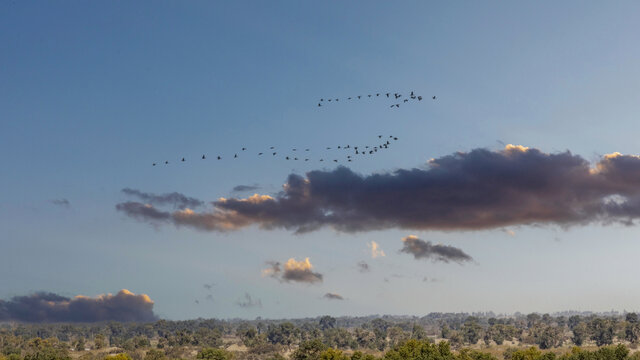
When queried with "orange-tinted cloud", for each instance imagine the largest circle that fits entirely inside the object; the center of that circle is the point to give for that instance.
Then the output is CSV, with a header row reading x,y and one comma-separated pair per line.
x,y
293,271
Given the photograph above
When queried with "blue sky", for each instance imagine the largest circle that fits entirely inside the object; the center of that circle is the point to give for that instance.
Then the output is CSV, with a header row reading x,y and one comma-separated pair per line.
x,y
91,93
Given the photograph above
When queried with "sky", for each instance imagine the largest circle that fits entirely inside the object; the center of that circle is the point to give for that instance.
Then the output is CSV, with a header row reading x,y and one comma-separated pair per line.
x,y
93,93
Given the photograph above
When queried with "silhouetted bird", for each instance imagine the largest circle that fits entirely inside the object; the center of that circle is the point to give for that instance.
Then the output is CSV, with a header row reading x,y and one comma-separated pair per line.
x,y
287,158
274,154
243,149
335,160
369,95
272,147
321,99
392,106
379,136
412,93
203,157
321,160
306,149
329,100
166,162
219,158
405,100
295,158
387,94
338,146
328,148
434,97
337,99
377,94
358,96
259,154
154,164
294,149
395,138
306,159
319,105
419,98
183,159
235,156
349,98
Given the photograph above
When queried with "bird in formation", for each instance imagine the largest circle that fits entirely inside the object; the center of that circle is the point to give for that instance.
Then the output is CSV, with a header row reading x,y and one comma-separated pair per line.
x,y
396,96
347,149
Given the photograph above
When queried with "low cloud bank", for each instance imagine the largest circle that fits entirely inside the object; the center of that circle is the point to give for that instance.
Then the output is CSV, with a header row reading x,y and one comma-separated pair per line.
x,y
50,307
479,189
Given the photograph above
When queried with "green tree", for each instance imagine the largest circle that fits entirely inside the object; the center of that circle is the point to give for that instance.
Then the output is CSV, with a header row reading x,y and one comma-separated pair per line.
x,y
327,322
333,354
471,331
420,350
121,356
214,354
580,333
155,354
418,333
602,331
309,350
98,341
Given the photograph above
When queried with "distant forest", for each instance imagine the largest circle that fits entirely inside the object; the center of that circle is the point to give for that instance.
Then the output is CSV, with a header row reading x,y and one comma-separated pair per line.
x,y
437,336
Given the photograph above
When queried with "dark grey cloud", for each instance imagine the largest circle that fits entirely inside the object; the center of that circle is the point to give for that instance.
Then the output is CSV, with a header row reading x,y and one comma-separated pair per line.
x,y
421,249
244,188
333,296
248,302
175,199
49,307
293,271
363,266
61,202
480,189
143,212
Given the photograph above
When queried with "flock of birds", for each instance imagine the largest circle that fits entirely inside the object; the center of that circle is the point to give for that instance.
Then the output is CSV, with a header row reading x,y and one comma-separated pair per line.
x,y
296,154
394,96
352,152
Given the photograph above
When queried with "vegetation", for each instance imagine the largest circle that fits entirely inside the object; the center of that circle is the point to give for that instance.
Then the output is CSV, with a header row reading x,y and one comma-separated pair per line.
x,y
433,337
